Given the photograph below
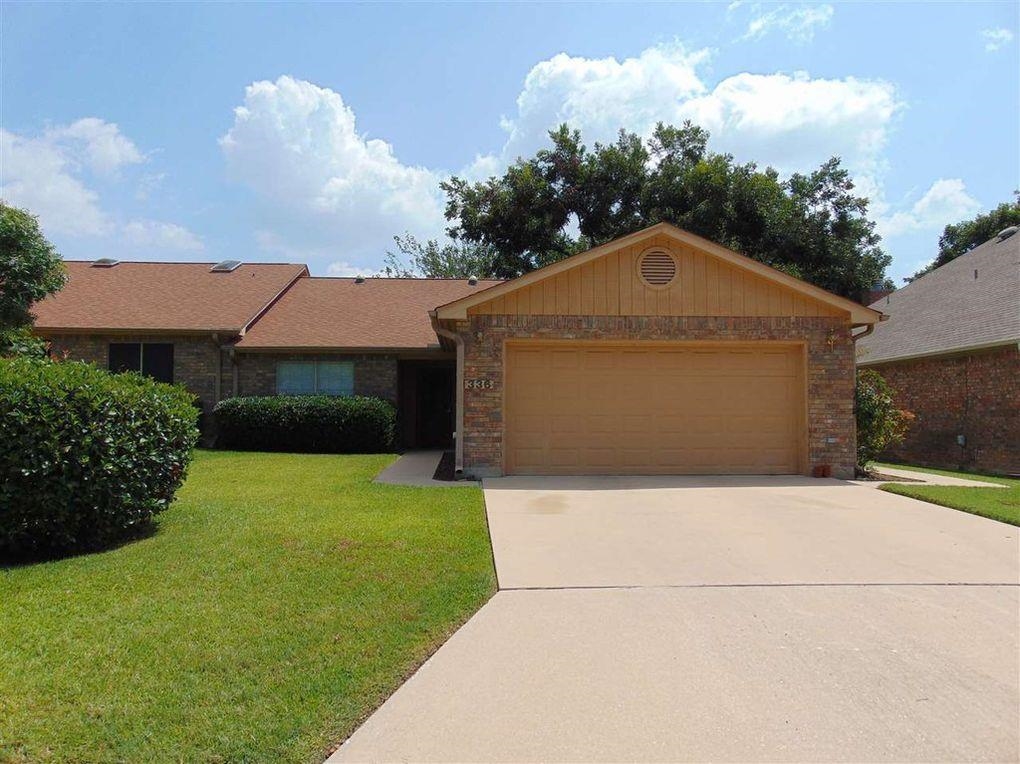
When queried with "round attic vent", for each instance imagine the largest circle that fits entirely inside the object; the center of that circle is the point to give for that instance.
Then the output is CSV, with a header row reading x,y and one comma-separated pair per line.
x,y
657,268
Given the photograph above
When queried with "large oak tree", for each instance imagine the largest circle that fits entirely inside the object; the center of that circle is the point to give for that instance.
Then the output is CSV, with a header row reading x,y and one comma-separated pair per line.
x,y
569,197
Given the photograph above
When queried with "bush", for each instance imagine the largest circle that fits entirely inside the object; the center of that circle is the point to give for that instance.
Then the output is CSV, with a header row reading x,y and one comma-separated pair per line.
x,y
310,424
87,458
879,423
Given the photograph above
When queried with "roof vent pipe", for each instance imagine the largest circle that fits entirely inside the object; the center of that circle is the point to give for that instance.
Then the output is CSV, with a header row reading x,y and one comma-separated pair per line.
x,y
1005,233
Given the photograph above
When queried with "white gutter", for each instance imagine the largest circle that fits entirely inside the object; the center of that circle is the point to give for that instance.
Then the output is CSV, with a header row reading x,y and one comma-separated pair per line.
x,y
458,439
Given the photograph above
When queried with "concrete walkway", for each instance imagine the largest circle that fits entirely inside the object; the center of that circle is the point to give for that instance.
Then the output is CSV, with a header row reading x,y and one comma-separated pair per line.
x,y
417,468
739,619
927,478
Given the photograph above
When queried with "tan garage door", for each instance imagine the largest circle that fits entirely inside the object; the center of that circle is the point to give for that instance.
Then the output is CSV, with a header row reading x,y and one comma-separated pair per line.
x,y
598,408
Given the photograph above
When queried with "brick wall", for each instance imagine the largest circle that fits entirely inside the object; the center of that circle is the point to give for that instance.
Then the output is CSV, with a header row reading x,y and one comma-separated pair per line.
x,y
976,395
196,359
374,374
831,432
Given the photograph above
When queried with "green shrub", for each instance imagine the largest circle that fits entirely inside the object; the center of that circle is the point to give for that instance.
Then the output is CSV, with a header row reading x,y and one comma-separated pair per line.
x,y
87,458
879,423
311,424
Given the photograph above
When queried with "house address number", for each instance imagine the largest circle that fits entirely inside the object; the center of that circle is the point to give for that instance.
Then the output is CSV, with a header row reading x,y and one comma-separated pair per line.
x,y
479,384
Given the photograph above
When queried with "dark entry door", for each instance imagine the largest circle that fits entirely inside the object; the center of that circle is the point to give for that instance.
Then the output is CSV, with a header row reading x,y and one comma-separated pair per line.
x,y
435,406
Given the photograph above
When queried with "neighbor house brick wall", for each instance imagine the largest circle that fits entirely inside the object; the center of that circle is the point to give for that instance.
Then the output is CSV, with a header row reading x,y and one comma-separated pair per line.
x,y
374,374
976,395
830,371
196,359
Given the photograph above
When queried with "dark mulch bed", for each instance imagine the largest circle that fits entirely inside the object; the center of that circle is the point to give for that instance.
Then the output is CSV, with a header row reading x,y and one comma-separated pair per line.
x,y
444,471
878,477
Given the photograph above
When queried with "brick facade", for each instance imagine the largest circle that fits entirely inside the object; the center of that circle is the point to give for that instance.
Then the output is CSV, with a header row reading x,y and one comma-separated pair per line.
x,y
197,358
374,374
830,371
976,395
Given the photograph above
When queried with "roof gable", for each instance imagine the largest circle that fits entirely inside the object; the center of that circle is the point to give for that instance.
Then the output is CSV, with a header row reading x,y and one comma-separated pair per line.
x,y
711,280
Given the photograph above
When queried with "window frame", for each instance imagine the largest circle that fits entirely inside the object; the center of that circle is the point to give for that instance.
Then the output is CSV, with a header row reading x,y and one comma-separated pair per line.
x,y
141,369
316,389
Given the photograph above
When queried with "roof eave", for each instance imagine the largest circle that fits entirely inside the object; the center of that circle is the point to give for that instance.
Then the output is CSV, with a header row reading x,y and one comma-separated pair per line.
x,y
941,352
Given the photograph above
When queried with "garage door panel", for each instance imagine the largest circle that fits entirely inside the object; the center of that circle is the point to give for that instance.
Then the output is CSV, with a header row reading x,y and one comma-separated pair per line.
x,y
658,409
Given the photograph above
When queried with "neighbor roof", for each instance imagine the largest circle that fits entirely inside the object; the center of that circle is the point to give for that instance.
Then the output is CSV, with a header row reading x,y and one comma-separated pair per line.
x,y
163,297
340,313
859,314
970,302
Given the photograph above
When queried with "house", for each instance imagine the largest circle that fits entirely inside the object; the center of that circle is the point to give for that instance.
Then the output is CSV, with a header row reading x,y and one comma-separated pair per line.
x,y
951,351
658,353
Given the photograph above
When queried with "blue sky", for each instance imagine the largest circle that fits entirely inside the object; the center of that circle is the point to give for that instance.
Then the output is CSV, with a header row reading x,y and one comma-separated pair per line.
x,y
314,133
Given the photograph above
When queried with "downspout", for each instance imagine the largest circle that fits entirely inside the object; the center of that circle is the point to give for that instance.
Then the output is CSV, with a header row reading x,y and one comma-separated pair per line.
x,y
458,439
868,329
219,368
234,371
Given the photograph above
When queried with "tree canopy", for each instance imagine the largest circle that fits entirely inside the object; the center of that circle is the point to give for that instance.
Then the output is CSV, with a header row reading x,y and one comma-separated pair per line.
x,y
454,260
962,237
569,197
30,269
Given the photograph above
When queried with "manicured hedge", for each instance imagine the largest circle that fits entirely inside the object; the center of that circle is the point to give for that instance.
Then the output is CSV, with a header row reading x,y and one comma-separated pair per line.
x,y
86,457
311,424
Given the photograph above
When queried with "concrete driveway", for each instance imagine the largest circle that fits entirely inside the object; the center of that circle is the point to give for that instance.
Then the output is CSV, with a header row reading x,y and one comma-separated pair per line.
x,y
738,619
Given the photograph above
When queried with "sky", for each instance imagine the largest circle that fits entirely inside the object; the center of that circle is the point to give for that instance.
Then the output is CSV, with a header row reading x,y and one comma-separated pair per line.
x,y
316,132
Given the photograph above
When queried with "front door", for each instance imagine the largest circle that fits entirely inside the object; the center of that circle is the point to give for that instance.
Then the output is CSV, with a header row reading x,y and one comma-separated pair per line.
x,y
435,406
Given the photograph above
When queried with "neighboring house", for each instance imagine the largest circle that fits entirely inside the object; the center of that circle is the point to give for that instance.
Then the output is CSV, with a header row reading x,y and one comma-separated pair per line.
x,y
660,352
172,321
950,350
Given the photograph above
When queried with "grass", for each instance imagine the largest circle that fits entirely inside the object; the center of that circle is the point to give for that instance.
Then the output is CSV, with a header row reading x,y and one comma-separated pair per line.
x,y
1002,504
281,600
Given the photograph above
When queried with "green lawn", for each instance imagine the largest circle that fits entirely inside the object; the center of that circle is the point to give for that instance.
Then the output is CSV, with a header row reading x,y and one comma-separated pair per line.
x,y
281,600
1001,504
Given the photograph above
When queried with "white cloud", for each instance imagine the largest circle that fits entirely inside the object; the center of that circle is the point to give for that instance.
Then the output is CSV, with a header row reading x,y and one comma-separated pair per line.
x,y
945,202
156,234
798,23
100,145
52,175
344,268
322,183
996,38
795,122
791,121
601,95
37,174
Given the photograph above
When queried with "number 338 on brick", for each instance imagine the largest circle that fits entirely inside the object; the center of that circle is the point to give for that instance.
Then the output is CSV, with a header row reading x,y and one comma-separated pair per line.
x,y
479,384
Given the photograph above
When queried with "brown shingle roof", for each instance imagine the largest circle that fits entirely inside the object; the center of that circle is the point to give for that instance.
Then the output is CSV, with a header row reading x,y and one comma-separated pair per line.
x,y
951,309
162,297
340,313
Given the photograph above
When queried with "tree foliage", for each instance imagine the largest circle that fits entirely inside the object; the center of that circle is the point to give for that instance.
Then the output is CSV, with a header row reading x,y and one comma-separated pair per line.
x,y
569,197
960,238
880,424
30,268
455,260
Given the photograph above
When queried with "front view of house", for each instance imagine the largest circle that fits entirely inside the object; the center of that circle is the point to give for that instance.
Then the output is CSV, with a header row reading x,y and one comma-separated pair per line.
x,y
657,353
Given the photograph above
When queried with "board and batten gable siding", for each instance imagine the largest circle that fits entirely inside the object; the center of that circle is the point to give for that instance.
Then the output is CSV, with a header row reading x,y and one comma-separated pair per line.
x,y
611,286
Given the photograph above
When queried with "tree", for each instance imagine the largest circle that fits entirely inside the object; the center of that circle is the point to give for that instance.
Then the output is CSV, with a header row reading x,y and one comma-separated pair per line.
x,y
880,424
962,237
30,269
456,260
569,197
